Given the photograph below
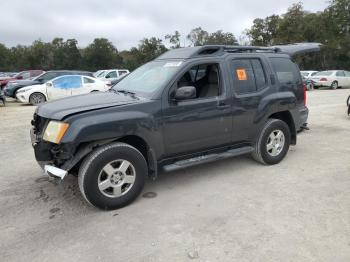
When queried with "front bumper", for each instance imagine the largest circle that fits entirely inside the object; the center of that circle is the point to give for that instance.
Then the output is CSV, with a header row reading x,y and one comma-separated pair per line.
x,y
55,172
22,97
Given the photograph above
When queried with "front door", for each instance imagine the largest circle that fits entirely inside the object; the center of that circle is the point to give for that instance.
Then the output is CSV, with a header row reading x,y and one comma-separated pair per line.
x,y
200,123
63,86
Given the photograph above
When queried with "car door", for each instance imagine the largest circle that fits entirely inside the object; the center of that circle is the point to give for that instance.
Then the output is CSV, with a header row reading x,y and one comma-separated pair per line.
x,y
89,85
63,86
347,78
340,77
112,75
200,123
249,84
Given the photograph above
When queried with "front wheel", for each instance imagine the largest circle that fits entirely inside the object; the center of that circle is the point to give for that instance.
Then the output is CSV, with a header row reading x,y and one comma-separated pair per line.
x,y
112,176
273,142
37,99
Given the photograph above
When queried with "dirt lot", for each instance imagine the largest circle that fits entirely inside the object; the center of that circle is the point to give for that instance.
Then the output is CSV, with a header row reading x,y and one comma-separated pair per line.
x,y
233,210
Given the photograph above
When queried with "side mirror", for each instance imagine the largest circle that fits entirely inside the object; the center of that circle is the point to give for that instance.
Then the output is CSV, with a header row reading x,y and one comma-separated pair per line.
x,y
19,77
185,92
48,84
108,76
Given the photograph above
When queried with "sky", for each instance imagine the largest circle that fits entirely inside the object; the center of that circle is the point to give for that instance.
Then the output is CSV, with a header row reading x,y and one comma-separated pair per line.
x,y
126,22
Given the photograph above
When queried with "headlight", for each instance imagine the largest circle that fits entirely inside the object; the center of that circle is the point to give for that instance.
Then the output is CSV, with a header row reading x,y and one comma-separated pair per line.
x,y
55,131
23,90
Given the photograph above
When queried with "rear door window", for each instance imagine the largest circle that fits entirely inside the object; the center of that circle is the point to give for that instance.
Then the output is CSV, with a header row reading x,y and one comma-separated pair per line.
x,y
243,76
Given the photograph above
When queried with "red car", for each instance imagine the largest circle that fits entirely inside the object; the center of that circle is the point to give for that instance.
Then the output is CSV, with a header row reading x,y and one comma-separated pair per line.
x,y
21,75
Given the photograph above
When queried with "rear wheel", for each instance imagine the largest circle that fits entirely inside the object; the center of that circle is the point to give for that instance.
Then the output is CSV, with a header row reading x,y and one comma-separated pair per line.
x,y
112,176
273,142
37,99
334,85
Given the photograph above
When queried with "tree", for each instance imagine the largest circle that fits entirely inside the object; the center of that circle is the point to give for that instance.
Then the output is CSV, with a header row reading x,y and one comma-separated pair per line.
x,y
101,54
198,36
174,39
221,38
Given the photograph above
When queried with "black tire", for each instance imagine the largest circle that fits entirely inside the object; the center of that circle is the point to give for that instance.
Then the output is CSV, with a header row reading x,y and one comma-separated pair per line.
x,y
334,85
94,163
261,153
37,99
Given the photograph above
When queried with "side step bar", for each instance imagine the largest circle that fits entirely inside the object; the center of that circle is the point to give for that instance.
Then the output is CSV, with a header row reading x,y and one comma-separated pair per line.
x,y
207,158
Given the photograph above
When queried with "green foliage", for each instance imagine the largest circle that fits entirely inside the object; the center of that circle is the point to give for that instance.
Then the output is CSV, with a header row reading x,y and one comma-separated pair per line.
x,y
330,27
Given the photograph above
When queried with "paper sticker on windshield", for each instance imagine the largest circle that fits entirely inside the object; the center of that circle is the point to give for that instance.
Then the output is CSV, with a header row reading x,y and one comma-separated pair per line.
x,y
172,64
241,74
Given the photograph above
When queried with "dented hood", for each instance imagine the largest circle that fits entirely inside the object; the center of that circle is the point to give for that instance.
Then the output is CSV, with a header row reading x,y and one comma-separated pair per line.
x,y
62,108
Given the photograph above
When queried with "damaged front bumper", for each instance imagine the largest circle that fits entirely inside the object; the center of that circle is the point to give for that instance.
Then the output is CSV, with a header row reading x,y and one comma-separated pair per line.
x,y
55,172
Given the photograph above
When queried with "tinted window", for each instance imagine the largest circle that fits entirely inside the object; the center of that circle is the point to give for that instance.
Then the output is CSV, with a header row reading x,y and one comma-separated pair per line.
x,y
122,72
67,82
260,78
286,70
47,76
36,73
340,73
243,75
112,75
88,80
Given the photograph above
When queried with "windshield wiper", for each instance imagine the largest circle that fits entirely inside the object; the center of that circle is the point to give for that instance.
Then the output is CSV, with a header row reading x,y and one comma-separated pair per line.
x,y
126,92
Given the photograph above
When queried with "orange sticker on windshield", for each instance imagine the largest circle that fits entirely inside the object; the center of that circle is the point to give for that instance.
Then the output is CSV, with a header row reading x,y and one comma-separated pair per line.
x,y
241,74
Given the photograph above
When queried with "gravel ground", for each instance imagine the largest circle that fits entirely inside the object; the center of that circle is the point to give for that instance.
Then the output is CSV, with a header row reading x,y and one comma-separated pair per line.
x,y
232,210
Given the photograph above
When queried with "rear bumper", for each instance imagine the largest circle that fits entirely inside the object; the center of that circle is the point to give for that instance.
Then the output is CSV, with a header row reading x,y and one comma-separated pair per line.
x,y
303,114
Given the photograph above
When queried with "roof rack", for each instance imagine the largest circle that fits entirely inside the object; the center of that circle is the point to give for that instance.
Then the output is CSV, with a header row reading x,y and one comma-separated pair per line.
x,y
250,49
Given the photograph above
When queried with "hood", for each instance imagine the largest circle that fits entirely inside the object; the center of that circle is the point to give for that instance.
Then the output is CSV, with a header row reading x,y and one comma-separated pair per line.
x,y
61,108
25,82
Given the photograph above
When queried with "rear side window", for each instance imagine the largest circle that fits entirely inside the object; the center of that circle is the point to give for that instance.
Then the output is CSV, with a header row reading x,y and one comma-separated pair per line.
x,y
287,72
88,80
340,73
248,75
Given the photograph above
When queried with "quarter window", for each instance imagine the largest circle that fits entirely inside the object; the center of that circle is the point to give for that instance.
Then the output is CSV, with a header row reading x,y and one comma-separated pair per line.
x,y
340,73
286,70
88,80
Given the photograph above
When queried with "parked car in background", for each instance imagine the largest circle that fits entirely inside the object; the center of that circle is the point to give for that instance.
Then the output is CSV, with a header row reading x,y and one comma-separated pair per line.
x,y
12,86
59,87
29,74
112,74
97,73
2,97
331,78
308,74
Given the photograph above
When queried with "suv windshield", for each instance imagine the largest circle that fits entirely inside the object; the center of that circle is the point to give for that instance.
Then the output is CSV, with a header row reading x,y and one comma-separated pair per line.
x,y
148,78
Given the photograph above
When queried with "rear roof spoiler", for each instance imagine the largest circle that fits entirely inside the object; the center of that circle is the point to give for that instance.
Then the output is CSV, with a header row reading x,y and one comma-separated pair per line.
x,y
298,48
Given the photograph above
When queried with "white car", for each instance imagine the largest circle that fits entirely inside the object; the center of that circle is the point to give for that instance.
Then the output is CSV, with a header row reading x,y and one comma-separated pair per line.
x,y
59,87
332,79
112,74
308,74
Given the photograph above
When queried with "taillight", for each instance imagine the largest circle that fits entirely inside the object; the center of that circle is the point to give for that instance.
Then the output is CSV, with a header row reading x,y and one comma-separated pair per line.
x,y
304,94
323,79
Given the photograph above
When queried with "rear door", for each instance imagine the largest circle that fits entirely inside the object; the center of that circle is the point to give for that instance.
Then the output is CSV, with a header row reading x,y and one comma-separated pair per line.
x,y
347,78
340,77
250,84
